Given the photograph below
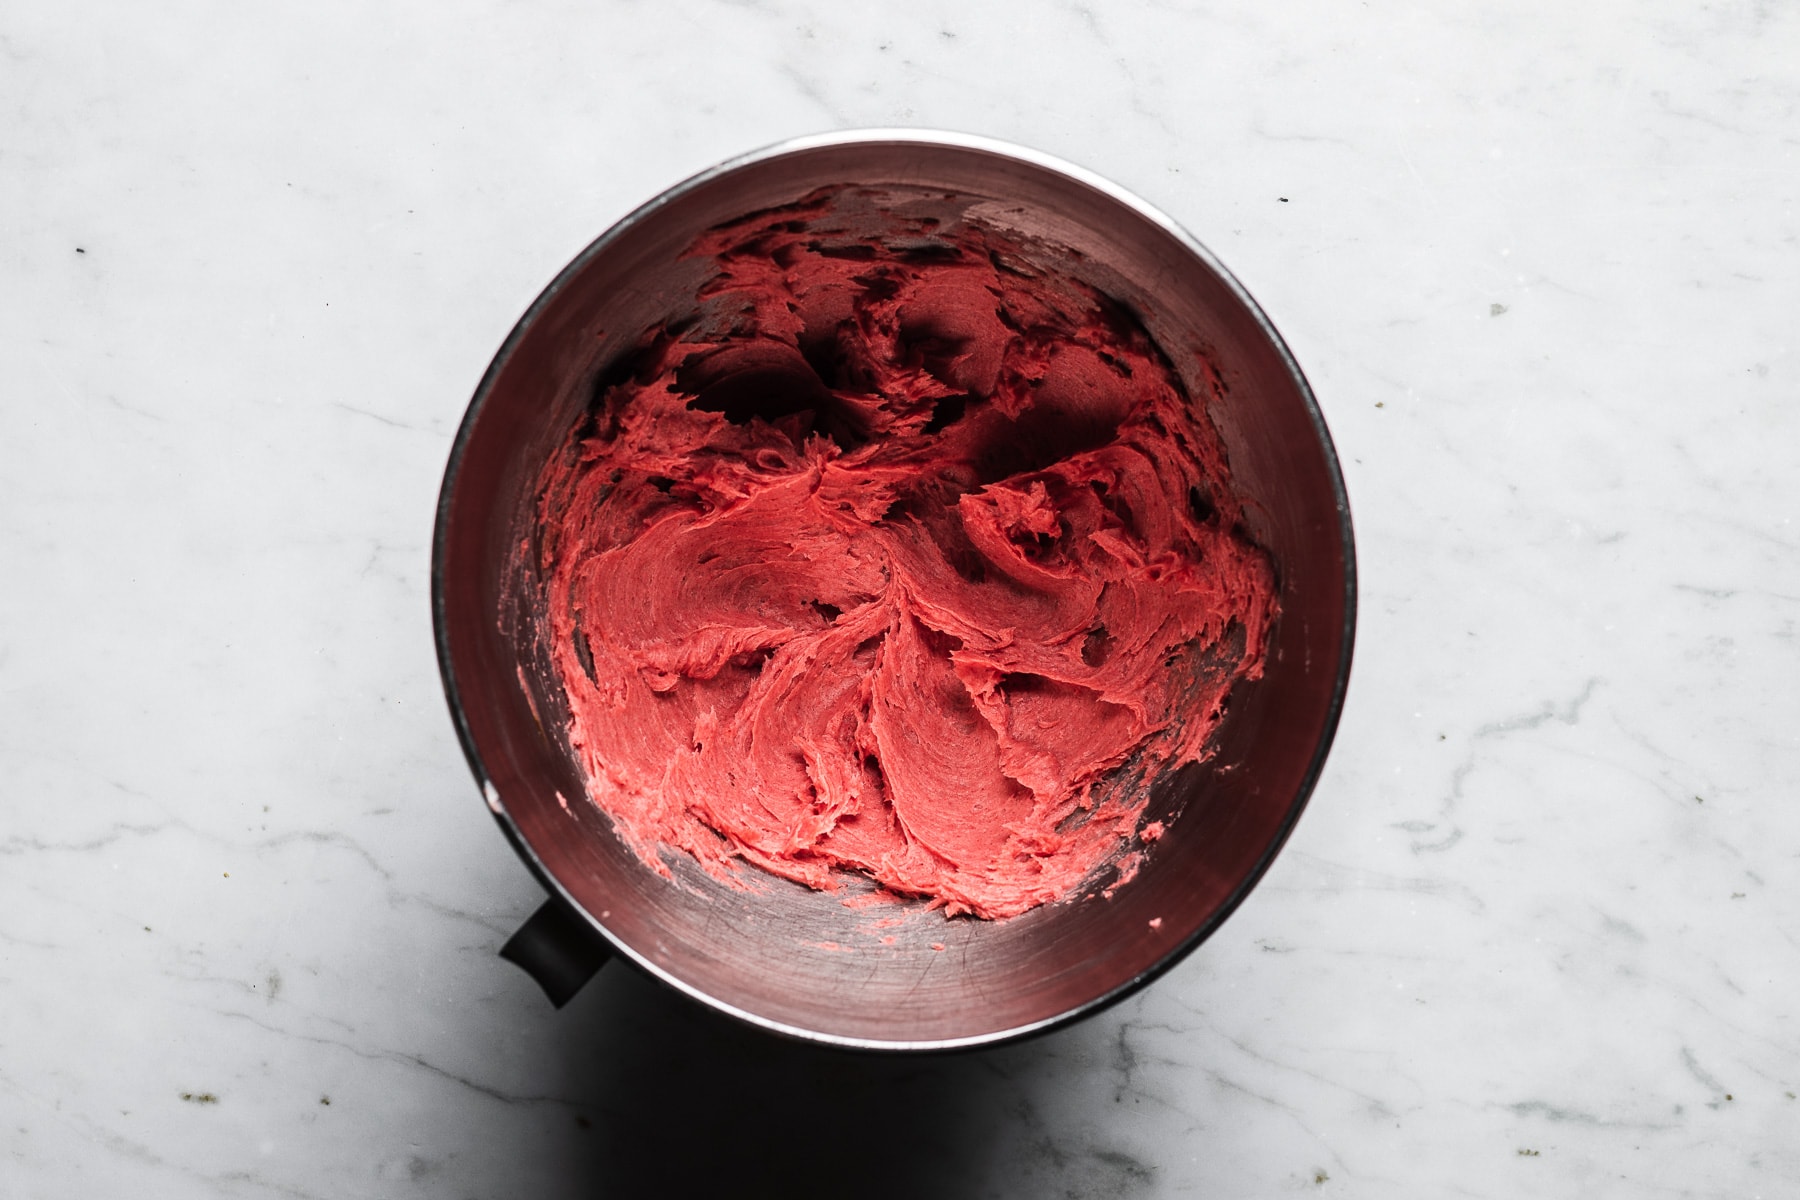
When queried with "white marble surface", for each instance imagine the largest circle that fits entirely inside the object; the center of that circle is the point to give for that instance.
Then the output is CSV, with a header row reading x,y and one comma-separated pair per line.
x,y
1539,933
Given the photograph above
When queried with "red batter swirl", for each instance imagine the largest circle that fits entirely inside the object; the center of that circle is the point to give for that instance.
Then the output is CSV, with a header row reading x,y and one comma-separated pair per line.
x,y
907,558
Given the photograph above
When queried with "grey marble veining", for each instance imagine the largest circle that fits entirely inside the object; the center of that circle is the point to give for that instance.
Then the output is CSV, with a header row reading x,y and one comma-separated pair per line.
x,y
1539,933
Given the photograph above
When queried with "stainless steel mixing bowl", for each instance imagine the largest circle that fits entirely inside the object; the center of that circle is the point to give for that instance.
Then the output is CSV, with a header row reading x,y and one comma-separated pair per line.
x,y
801,962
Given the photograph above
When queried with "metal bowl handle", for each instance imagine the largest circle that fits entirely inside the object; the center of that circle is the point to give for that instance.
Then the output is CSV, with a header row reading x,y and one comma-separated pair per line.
x,y
558,948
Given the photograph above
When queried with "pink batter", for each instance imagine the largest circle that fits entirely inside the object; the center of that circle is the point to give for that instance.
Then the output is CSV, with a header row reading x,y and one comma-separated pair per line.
x,y
906,559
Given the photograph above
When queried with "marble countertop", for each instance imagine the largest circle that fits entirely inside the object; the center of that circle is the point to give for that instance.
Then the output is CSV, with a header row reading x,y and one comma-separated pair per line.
x,y
1537,935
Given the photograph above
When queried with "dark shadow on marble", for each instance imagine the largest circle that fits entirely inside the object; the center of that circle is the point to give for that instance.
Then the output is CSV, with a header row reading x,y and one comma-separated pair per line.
x,y
672,1099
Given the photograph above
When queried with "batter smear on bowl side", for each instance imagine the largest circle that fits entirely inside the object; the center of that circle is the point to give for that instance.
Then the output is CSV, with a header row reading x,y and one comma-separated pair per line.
x,y
907,557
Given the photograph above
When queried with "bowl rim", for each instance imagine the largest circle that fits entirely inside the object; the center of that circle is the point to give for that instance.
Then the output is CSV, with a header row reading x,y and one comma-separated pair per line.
x,y
934,138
